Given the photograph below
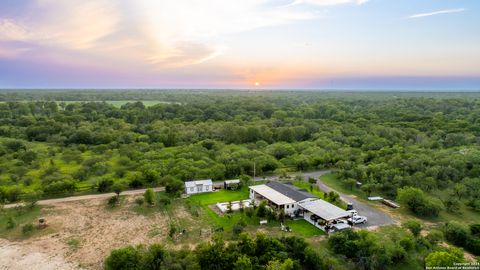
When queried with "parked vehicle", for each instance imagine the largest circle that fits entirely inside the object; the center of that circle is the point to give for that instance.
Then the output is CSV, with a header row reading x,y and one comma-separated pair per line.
x,y
349,206
339,227
340,221
353,212
357,220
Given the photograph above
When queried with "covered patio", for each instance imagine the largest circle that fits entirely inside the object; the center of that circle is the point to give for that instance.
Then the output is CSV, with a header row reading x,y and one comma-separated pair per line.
x,y
321,213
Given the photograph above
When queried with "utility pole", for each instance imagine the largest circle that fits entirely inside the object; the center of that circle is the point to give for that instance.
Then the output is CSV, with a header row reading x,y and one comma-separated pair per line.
x,y
253,171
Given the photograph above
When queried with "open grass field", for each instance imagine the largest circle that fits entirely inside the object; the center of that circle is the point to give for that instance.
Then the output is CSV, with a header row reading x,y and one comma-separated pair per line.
x,y
332,181
119,103
313,189
304,229
219,196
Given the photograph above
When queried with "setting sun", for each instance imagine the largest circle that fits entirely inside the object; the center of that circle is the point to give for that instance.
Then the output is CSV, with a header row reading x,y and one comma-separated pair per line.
x,y
257,83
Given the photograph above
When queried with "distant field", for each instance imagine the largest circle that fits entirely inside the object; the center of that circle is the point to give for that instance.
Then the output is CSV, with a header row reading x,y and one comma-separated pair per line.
x,y
116,103
119,103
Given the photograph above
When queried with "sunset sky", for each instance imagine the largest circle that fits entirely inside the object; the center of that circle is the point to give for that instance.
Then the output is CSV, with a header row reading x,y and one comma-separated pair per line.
x,y
262,44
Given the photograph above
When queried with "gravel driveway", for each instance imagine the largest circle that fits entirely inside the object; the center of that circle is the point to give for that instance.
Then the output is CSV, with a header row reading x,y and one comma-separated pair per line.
x,y
374,216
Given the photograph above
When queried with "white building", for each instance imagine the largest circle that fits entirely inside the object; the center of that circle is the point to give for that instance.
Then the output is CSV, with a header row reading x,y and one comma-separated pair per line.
x,y
280,196
198,186
297,202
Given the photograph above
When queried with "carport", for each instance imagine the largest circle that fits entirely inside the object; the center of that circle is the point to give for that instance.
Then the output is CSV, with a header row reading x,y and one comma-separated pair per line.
x,y
321,213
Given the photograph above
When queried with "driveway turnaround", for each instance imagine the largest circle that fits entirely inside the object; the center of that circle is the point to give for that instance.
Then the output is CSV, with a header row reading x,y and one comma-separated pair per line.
x,y
374,216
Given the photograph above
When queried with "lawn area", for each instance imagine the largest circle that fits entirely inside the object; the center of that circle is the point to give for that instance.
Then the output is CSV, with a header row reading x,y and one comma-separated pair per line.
x,y
304,229
313,189
465,216
299,227
219,196
332,181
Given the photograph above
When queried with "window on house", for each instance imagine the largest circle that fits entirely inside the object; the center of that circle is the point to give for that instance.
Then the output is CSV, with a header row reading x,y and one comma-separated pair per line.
x,y
206,188
288,206
191,189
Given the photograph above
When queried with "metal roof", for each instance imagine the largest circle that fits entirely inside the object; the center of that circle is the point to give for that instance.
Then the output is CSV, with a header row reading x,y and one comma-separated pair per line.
x,y
272,195
324,210
290,191
195,183
234,181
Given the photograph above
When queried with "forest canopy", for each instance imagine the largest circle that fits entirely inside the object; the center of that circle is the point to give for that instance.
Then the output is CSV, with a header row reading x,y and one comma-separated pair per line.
x,y
61,142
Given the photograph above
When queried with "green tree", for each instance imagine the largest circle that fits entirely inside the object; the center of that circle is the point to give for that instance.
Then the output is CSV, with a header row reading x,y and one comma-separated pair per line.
x,y
278,265
149,196
444,258
262,210
128,258
413,226
118,188
418,202
174,186
243,263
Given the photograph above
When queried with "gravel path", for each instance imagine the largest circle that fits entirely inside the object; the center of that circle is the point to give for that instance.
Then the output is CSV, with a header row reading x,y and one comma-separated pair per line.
x,y
374,216
314,174
86,197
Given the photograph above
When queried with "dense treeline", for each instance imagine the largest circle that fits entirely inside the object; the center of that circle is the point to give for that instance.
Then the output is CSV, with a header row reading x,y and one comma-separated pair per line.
x,y
344,250
261,252
431,144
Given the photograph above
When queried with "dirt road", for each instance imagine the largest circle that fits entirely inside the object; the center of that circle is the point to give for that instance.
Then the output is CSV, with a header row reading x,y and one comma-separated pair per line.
x,y
86,197
314,174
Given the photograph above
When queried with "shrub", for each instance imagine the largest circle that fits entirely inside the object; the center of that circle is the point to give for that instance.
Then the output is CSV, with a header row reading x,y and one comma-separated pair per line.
x,y
27,228
444,258
123,259
174,186
434,237
58,187
475,229
332,196
413,226
237,229
139,201
172,230
262,210
473,245
456,233
104,185
118,188
149,196
113,201
32,197
164,201
249,212
11,223
407,243
418,202
452,204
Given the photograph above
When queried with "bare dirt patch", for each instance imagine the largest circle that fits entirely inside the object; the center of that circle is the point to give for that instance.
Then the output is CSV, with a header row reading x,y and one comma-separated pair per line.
x,y
84,234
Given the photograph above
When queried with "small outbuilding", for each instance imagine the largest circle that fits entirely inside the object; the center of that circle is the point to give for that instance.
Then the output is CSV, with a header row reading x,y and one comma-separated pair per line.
x,y
198,186
231,184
